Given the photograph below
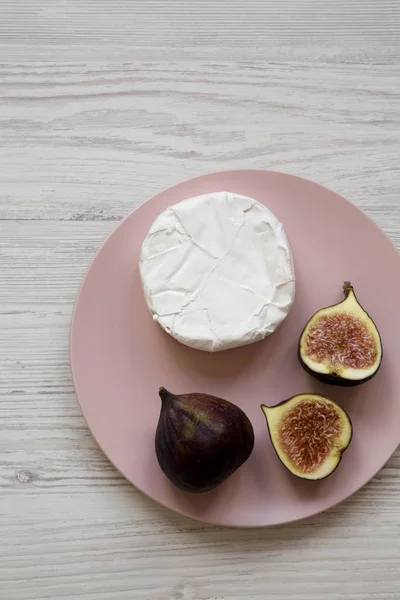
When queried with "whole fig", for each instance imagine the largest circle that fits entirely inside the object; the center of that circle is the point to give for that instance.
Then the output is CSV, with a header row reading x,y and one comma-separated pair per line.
x,y
201,440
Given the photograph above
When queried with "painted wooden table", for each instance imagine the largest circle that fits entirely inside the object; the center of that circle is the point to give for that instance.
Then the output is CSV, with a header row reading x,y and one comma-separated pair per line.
x,y
102,104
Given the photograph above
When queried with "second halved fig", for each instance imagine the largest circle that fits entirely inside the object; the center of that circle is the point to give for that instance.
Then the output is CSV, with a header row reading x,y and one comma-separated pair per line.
x,y
340,344
309,433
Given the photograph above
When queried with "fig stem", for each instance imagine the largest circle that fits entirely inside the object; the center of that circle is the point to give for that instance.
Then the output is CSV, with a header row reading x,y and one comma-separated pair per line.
x,y
347,288
164,394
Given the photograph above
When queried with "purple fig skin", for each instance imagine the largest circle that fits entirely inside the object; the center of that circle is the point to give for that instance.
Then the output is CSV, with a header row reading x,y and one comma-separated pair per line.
x,y
201,440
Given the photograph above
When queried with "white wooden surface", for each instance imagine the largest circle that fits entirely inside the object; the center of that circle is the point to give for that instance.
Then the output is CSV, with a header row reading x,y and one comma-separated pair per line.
x,y
103,104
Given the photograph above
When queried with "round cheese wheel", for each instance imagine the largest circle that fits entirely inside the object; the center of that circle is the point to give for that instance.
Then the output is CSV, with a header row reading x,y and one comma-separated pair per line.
x,y
217,271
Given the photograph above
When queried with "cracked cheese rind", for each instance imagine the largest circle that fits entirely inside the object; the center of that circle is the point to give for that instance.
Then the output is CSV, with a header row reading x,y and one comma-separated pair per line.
x,y
217,271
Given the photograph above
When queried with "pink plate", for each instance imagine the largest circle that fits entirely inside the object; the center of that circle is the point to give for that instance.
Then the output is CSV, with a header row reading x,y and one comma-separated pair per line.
x,y
120,357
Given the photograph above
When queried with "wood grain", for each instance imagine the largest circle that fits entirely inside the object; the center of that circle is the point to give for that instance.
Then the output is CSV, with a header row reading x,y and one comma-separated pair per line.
x,y
102,105
203,22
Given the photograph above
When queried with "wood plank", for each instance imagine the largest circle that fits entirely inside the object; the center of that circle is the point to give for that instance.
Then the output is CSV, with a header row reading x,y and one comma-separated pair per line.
x,y
203,22
91,143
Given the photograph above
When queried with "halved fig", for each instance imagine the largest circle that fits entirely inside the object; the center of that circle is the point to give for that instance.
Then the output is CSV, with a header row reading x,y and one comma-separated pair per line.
x,y
309,433
340,344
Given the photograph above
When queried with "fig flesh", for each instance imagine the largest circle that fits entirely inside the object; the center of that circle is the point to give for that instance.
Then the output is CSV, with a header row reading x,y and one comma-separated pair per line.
x,y
309,433
340,344
201,440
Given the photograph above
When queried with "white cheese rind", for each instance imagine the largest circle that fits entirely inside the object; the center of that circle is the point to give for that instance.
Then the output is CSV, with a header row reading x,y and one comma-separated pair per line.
x,y
217,271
